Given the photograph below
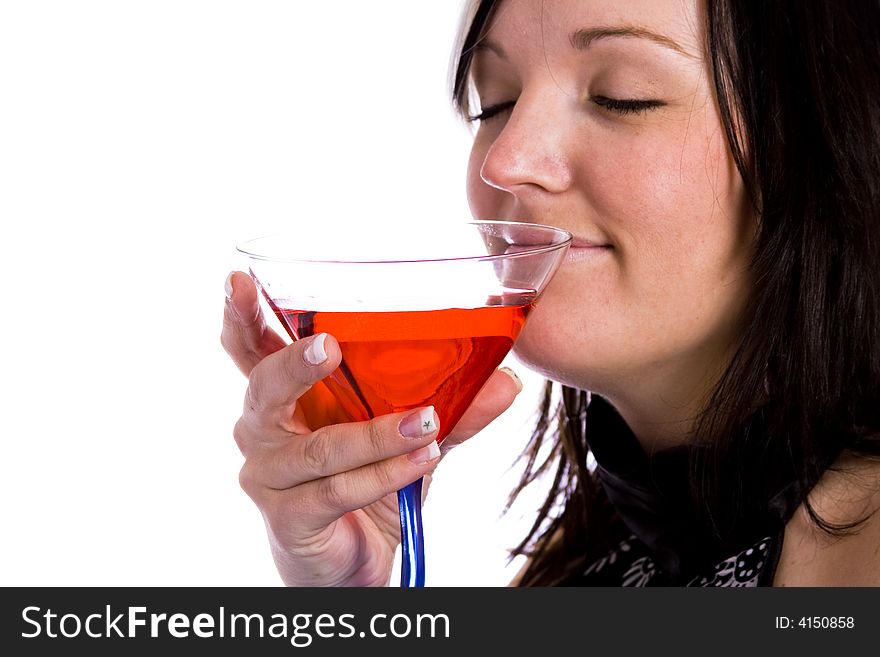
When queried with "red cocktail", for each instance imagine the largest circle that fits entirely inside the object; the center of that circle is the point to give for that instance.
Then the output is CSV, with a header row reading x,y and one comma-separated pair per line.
x,y
395,361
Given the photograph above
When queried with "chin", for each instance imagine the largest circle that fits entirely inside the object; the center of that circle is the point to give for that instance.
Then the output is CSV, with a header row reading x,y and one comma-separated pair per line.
x,y
547,358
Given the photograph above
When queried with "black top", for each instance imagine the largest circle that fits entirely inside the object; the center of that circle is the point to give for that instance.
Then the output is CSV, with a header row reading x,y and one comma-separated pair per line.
x,y
669,539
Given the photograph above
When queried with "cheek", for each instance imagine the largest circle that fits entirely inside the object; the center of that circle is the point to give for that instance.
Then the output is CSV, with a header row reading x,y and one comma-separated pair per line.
x,y
641,194
661,195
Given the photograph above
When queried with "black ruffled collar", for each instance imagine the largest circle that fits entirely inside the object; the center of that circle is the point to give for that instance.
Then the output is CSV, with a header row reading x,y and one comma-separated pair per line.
x,y
652,496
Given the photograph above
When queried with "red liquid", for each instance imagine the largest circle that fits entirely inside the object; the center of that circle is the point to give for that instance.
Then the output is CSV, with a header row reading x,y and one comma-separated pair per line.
x,y
394,361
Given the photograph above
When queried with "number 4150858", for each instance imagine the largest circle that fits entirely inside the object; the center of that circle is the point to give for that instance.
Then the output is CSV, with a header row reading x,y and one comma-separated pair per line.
x,y
815,622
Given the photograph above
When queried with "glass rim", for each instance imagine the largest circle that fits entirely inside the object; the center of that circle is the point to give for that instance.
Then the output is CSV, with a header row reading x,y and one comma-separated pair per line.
x,y
242,247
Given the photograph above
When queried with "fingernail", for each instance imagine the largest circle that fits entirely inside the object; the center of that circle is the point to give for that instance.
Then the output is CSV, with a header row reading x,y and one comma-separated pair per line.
x,y
509,372
228,285
424,454
418,424
314,352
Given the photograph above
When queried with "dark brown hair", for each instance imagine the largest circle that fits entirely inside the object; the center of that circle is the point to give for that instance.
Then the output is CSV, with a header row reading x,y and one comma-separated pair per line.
x,y
797,83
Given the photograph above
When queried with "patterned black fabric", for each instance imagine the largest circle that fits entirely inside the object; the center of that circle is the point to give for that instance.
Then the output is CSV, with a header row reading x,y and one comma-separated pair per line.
x,y
631,563
670,539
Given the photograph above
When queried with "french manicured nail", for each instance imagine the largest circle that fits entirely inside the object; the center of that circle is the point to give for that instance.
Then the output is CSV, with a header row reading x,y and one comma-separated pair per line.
x,y
424,454
509,372
418,424
314,352
228,285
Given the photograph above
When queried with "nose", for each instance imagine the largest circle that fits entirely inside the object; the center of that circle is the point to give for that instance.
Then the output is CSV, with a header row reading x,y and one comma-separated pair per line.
x,y
529,153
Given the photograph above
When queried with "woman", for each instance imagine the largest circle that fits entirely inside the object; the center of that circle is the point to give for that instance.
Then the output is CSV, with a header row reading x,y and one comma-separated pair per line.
x,y
719,167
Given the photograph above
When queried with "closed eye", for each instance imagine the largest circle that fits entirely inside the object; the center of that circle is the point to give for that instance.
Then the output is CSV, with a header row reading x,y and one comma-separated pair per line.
x,y
492,110
628,106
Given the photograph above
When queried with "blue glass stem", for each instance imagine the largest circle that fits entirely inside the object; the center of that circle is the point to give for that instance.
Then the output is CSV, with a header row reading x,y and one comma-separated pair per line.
x,y
412,541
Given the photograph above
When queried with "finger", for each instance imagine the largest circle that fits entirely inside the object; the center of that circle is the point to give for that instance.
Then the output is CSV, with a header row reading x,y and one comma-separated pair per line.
x,y
495,397
277,381
246,337
324,501
342,447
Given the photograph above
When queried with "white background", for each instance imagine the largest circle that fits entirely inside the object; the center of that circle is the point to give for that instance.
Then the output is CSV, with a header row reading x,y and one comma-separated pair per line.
x,y
139,141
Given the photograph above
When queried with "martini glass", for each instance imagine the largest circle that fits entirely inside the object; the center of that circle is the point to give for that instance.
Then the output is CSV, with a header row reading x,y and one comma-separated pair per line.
x,y
423,316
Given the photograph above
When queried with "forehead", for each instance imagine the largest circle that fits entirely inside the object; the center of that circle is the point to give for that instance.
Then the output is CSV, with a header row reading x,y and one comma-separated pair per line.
x,y
552,23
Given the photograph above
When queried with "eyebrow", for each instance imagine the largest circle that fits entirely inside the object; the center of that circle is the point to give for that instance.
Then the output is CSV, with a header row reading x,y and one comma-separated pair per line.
x,y
584,38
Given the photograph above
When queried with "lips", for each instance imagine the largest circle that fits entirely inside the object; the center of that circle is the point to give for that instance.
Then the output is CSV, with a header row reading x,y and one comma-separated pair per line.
x,y
584,250
577,242
584,243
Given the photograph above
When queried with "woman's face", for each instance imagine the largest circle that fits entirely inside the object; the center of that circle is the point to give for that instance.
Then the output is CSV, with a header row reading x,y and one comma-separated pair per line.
x,y
600,118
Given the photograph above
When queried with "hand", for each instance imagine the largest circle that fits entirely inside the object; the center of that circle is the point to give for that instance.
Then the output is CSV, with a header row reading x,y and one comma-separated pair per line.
x,y
327,487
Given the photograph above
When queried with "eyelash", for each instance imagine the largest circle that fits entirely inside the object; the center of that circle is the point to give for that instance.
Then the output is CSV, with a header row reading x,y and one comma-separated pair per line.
x,y
624,107
491,111
619,106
